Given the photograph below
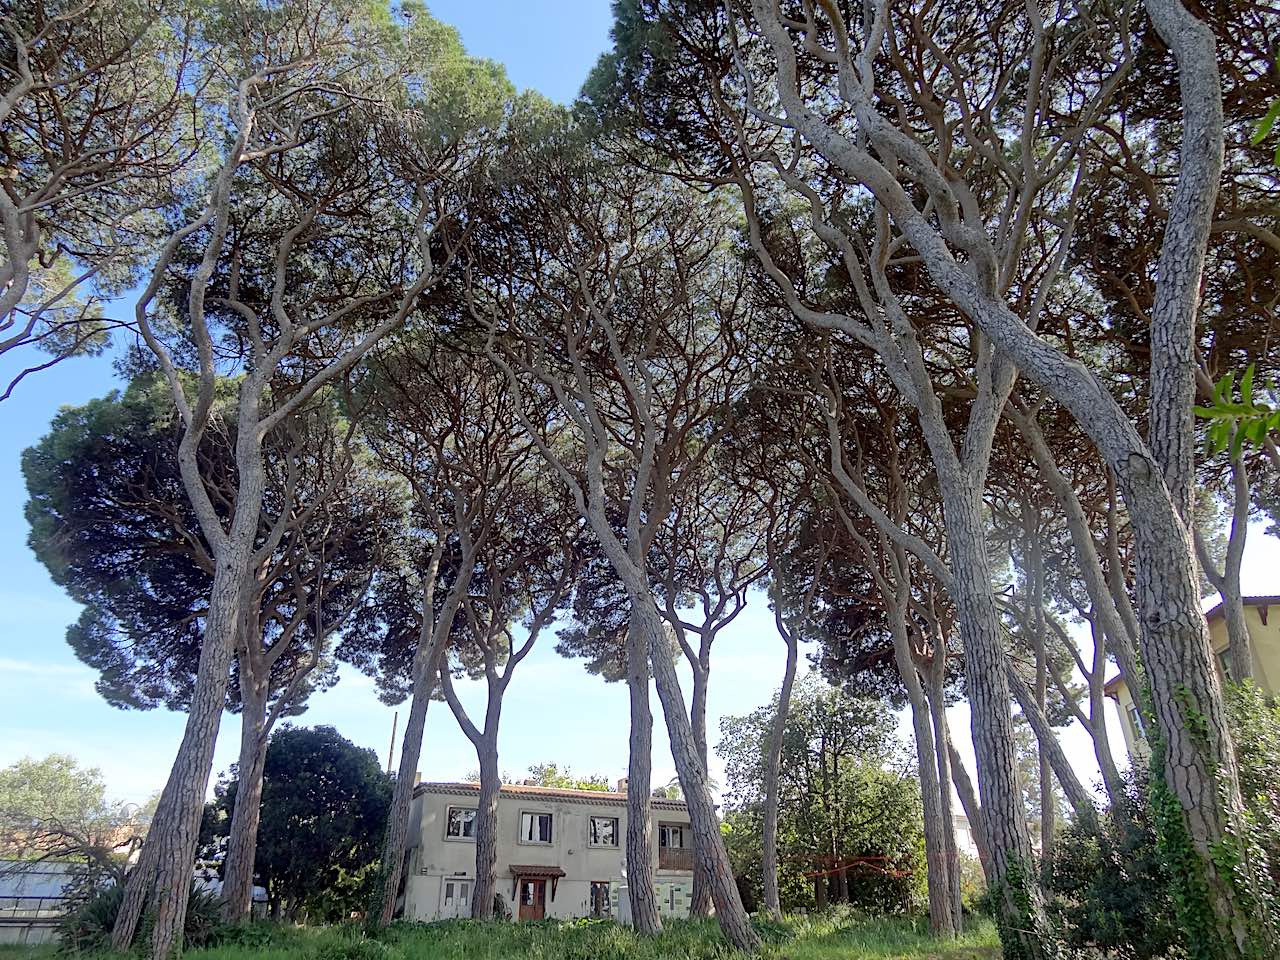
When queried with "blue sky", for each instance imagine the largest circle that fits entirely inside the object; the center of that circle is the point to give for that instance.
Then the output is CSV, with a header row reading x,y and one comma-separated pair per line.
x,y
555,711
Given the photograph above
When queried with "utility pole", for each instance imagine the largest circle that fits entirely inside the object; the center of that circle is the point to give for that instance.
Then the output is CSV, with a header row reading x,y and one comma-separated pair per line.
x,y
391,750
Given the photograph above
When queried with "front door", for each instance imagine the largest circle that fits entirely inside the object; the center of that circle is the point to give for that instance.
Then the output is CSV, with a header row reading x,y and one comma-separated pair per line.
x,y
455,898
533,899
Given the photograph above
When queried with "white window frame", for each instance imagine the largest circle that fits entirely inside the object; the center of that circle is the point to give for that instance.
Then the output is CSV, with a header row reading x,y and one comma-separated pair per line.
x,y
461,838
551,828
668,827
617,828
1135,719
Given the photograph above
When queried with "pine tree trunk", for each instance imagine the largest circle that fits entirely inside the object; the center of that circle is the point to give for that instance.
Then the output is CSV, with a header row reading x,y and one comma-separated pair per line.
x,y
700,901
426,660
732,916
237,877
177,843
1079,798
772,778
487,829
972,809
401,803
640,859
936,675
1020,908
941,920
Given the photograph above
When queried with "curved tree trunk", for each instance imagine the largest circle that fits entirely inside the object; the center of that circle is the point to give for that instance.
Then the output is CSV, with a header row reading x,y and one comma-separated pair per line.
x,y
772,777
237,876
1079,798
640,859
732,916
174,836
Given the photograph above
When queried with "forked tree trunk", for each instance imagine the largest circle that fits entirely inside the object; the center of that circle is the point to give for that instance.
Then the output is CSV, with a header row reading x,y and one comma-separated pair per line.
x,y
732,916
237,877
941,920
772,778
641,893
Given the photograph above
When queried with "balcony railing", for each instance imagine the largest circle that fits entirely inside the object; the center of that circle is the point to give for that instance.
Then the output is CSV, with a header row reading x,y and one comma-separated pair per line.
x,y
675,858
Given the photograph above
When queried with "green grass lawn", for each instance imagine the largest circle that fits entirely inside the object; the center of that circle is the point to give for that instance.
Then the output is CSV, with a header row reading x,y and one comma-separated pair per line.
x,y
843,936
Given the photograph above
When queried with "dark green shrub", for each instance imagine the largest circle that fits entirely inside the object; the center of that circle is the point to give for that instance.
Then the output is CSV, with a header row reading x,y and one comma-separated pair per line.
x,y
86,928
1112,891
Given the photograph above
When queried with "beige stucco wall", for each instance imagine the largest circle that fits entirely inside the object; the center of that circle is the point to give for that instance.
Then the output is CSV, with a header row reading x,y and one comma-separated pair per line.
x,y
433,858
1265,646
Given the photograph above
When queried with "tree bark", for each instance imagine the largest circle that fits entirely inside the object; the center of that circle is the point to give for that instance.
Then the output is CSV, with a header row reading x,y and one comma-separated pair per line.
x,y
942,922
487,830
700,901
640,859
732,916
1079,798
936,675
174,832
237,876
1020,907
772,777
972,809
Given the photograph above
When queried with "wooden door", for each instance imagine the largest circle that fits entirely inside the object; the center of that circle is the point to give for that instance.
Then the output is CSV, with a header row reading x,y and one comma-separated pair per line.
x,y
533,899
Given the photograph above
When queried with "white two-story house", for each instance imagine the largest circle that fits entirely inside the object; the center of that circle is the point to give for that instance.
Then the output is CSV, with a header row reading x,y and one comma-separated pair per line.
x,y
561,853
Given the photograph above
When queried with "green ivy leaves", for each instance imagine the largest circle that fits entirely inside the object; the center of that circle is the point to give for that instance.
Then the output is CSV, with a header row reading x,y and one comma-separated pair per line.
x,y
1237,419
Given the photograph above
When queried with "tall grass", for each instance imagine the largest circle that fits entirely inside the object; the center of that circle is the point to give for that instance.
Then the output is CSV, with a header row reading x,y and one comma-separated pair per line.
x,y
841,935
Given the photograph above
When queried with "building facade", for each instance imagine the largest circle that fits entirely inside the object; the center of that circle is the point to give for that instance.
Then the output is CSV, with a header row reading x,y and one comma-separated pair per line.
x,y
1262,617
561,853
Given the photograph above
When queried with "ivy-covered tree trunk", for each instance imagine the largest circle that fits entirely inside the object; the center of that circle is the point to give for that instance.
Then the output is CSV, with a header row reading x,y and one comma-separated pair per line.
x,y
242,841
641,893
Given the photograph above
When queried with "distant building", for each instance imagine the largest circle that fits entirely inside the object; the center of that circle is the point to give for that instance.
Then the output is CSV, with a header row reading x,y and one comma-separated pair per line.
x,y
1262,617
561,853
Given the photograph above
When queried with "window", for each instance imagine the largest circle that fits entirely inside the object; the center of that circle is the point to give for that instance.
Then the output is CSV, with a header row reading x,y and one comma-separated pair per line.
x,y
603,832
460,824
535,828
1135,718
600,904
1224,661
670,835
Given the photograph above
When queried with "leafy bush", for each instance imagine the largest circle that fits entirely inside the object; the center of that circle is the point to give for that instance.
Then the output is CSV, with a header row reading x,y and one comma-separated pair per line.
x,y
1112,891
86,928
